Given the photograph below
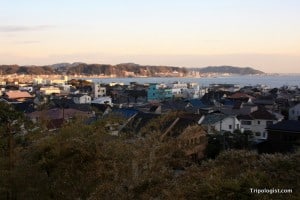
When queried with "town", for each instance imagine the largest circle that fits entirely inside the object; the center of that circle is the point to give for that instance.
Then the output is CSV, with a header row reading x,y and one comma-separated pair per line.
x,y
267,118
149,100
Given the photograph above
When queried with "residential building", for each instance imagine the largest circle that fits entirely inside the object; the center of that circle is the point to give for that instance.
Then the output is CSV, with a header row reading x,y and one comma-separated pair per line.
x,y
49,90
55,118
82,99
282,137
193,141
38,81
62,81
17,96
294,112
240,97
224,87
103,100
158,92
26,88
220,122
284,131
238,108
98,91
258,121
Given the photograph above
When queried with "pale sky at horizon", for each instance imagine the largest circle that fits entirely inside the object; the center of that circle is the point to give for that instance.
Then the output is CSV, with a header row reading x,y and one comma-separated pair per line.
x,y
264,34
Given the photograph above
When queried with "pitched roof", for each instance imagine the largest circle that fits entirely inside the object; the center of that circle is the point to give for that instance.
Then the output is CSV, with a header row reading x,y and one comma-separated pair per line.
x,y
141,120
286,126
16,94
263,114
259,114
213,118
176,127
197,103
125,112
264,100
240,95
173,105
57,113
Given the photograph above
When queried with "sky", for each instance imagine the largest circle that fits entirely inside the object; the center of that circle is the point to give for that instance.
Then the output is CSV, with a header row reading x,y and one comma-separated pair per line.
x,y
263,34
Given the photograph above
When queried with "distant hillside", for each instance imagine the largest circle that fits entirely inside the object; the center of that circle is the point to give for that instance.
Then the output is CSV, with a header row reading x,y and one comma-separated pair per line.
x,y
120,70
35,70
229,69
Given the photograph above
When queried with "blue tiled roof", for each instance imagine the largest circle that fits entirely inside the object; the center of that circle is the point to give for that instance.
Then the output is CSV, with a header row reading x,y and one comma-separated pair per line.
x,y
124,112
197,103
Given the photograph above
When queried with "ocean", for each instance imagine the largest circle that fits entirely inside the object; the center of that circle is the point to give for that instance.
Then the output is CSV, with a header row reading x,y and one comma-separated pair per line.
x,y
245,80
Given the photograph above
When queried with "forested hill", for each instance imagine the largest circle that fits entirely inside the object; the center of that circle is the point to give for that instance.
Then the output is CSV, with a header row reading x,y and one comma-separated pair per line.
x,y
230,70
119,70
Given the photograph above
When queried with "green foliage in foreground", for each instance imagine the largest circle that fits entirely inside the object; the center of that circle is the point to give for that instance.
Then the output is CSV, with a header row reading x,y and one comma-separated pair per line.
x,y
84,162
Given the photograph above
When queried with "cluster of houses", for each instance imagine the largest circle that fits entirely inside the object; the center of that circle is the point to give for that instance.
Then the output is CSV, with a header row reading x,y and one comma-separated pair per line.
x,y
272,115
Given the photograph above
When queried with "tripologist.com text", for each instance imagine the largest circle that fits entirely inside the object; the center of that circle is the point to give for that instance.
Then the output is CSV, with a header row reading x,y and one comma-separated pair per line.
x,y
271,191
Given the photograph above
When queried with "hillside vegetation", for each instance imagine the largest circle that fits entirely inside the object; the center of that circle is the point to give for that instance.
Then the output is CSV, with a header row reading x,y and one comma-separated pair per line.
x,y
120,70
230,70
82,161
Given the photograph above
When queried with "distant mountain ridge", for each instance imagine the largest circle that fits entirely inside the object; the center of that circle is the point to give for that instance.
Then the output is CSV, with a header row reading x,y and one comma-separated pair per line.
x,y
119,70
230,70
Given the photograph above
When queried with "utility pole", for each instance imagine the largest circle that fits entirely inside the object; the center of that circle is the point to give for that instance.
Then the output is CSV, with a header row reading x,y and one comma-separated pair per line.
x,y
221,132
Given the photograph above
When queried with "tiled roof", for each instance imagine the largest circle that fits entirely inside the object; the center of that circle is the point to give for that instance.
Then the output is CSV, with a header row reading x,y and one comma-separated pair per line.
x,y
142,119
125,112
245,117
263,114
197,103
16,94
259,114
240,95
287,125
213,118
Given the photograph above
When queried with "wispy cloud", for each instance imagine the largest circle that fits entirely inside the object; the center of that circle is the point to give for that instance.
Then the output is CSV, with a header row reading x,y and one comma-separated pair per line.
x,y
9,29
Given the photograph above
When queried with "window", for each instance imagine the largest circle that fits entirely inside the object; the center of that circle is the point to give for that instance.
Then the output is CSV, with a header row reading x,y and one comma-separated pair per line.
x,y
258,122
230,126
246,123
257,134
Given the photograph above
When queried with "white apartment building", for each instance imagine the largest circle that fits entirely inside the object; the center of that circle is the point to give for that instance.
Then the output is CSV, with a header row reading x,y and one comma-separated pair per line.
x,y
98,91
49,90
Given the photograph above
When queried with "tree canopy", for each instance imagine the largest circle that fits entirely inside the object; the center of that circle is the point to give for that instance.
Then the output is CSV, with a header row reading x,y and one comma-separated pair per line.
x,y
83,161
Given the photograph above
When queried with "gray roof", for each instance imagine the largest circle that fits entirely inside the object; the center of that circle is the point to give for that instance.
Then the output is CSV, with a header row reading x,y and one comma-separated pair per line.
x,y
214,118
286,126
